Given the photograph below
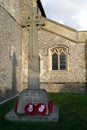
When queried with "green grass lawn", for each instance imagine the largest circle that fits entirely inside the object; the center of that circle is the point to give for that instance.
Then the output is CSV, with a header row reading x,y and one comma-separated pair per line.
x,y
72,115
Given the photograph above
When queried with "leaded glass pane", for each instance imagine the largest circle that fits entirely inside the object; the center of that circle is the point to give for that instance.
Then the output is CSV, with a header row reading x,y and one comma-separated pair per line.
x,y
62,61
55,61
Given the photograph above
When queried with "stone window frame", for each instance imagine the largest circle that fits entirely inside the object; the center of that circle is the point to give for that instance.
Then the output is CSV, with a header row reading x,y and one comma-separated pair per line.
x,y
58,50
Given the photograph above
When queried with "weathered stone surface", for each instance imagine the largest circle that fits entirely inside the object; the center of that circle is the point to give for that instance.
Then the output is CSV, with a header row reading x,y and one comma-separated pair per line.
x,y
33,22
19,9
10,60
53,117
31,96
12,7
75,59
64,87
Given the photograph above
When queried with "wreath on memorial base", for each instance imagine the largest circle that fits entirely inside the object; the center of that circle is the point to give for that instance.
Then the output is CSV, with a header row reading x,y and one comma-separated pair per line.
x,y
41,109
29,109
50,106
15,108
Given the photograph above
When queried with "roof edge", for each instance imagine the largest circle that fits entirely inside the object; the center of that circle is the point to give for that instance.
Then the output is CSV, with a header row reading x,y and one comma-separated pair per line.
x,y
62,25
41,8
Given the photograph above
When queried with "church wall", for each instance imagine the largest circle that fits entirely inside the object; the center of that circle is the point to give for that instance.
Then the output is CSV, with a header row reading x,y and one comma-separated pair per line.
x,y
82,36
19,9
75,73
10,55
13,7
64,87
71,80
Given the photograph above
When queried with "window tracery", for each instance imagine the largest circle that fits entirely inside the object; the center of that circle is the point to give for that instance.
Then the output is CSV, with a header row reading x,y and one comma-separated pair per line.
x,y
59,58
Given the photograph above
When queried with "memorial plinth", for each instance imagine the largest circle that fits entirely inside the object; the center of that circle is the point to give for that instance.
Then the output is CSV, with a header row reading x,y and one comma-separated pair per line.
x,y
53,117
34,96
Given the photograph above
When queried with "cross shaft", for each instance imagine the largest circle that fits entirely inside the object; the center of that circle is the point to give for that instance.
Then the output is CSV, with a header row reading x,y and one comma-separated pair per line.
x,y
33,23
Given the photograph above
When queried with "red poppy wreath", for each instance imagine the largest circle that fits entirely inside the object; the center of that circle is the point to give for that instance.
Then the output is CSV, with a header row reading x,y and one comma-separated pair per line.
x,y
41,109
29,109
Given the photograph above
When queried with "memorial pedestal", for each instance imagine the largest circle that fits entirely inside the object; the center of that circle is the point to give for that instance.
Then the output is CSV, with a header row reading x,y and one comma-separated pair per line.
x,y
35,97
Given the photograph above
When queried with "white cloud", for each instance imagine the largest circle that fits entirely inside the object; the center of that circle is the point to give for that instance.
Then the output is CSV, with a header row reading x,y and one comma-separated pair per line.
x,y
69,12
81,19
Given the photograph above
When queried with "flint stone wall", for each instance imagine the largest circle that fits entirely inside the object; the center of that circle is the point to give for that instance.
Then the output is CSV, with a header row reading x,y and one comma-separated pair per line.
x,y
10,58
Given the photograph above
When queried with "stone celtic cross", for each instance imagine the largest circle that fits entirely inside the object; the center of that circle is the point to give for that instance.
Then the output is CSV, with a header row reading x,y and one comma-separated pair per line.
x,y
33,23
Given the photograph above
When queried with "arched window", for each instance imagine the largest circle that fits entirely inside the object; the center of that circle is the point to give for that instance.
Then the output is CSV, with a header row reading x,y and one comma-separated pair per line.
x,y
55,61
59,58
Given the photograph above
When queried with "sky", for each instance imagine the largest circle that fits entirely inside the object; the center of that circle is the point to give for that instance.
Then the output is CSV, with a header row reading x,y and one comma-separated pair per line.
x,y
72,13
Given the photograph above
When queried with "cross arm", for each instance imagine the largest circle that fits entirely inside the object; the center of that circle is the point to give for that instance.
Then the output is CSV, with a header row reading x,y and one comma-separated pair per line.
x,y
25,23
